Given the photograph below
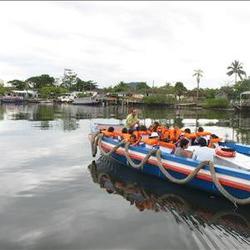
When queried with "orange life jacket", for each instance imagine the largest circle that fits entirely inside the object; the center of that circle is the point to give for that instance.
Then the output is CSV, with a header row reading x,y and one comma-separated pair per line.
x,y
126,136
151,141
204,133
212,141
108,134
190,136
174,134
117,133
163,132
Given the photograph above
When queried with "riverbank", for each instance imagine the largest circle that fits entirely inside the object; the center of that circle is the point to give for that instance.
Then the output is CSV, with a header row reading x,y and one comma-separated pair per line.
x,y
131,105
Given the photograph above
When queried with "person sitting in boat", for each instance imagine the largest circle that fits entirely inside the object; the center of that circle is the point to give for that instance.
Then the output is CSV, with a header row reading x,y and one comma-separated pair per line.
x,y
175,133
109,132
190,136
124,131
125,135
165,133
141,131
133,140
187,135
154,127
153,139
132,120
213,141
202,142
201,132
202,152
181,150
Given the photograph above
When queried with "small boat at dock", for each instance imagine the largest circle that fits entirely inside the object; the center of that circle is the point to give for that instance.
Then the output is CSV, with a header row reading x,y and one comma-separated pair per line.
x,y
85,101
12,99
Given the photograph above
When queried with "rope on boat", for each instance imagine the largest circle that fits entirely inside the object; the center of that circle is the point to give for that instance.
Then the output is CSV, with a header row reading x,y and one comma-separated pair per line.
x,y
188,178
141,164
99,141
96,141
93,141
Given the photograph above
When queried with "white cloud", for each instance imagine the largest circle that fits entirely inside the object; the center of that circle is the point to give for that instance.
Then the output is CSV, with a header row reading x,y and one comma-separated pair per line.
x,y
112,41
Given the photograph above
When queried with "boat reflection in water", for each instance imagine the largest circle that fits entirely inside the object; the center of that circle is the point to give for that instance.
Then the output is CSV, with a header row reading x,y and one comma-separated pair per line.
x,y
193,207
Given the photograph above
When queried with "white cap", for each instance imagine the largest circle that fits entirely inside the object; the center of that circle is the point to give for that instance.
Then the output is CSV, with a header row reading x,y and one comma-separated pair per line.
x,y
154,134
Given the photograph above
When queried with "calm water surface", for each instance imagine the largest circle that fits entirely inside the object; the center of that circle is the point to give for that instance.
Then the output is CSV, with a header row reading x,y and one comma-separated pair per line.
x,y
53,196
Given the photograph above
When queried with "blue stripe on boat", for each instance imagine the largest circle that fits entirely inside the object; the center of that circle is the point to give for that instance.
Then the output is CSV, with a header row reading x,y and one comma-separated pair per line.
x,y
240,148
196,183
239,173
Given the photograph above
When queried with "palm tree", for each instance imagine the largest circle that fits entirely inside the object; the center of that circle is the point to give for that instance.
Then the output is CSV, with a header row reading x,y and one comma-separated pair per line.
x,y
198,73
236,68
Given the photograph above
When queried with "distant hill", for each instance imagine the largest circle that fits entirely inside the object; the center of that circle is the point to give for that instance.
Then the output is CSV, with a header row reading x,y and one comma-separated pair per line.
x,y
137,85
133,85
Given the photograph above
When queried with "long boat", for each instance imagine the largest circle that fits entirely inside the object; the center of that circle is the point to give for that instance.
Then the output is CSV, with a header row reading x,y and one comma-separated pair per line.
x,y
12,99
232,174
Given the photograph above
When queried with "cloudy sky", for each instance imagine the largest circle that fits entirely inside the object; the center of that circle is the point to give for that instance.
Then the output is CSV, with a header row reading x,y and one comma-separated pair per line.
x,y
130,41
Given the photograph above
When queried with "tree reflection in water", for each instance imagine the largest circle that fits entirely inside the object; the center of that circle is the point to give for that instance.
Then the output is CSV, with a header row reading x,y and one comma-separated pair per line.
x,y
192,207
237,124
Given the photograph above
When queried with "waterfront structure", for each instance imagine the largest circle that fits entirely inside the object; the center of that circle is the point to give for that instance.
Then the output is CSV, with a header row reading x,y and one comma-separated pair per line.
x,y
244,103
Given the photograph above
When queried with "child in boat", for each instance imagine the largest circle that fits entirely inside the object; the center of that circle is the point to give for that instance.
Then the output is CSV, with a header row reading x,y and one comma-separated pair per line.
x,y
126,133
181,150
213,141
154,127
109,132
174,133
140,132
133,140
165,133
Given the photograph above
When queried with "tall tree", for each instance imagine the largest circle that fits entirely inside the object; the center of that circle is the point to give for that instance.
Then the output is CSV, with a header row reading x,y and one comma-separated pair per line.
x,y
198,73
141,86
240,87
120,87
17,84
41,81
236,68
90,85
179,89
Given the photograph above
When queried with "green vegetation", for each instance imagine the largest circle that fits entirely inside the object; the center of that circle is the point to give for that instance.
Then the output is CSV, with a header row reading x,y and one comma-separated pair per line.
x,y
169,93
159,99
83,85
19,85
179,89
2,90
38,82
51,91
216,103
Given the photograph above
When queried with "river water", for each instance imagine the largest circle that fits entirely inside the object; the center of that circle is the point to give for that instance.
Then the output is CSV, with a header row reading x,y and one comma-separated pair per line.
x,y
54,196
